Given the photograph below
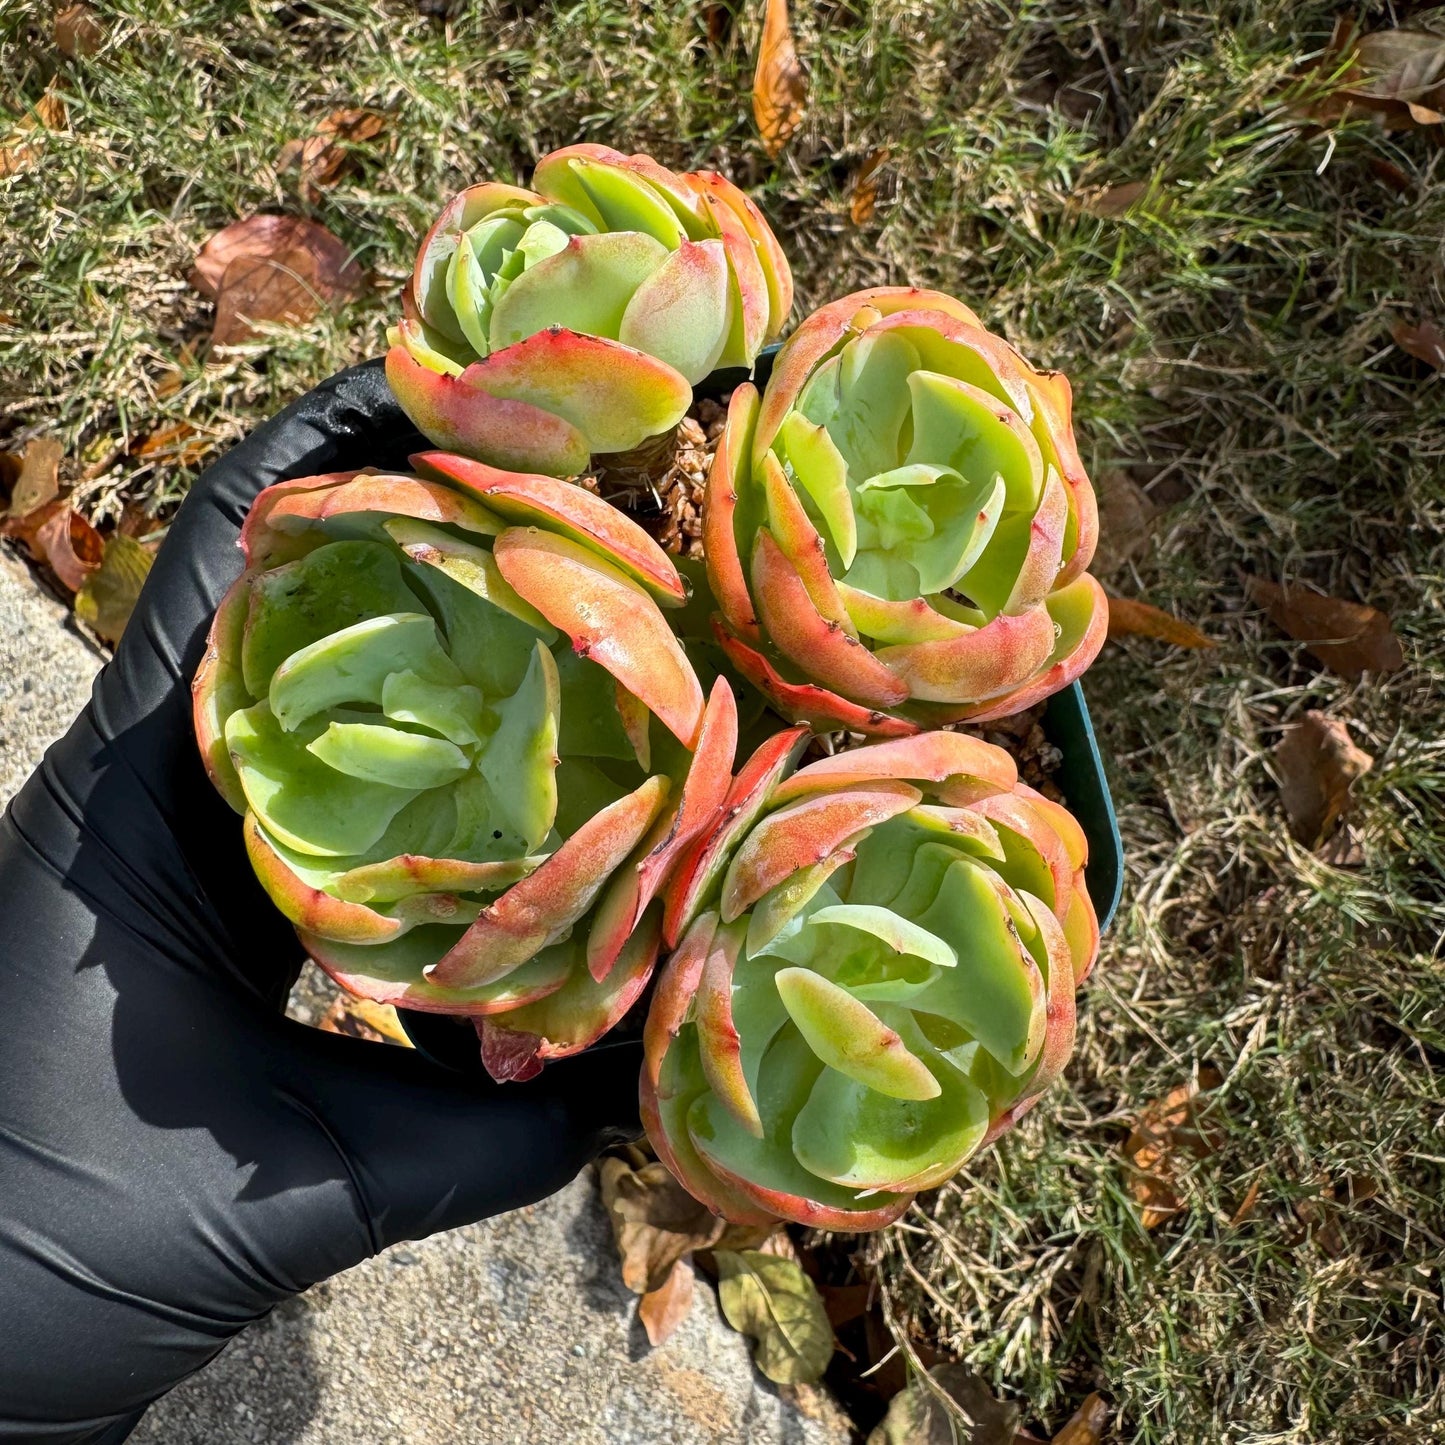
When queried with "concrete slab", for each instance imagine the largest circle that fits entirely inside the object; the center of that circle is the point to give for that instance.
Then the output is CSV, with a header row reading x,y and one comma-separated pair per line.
x,y
46,669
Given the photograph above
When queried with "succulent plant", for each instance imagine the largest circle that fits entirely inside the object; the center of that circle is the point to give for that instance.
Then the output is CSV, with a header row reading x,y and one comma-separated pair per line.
x,y
897,533
542,326
466,744
872,977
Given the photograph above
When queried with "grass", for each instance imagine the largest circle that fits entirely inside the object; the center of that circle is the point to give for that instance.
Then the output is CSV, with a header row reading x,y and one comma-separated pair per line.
x,y
1229,342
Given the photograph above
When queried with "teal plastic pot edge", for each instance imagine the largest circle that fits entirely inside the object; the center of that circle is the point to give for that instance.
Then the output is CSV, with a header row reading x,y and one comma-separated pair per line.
x,y
1081,778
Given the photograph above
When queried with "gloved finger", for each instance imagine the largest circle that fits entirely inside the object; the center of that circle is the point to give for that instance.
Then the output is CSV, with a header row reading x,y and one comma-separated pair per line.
x,y
429,1152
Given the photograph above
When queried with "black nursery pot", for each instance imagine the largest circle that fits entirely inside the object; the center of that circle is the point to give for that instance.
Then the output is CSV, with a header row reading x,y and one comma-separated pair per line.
x,y
452,1042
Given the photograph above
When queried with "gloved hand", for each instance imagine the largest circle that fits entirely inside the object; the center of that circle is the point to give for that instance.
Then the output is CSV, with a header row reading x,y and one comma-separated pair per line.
x,y
176,1157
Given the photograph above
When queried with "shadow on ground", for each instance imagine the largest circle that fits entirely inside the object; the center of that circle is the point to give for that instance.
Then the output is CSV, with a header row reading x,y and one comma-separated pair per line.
x,y
264,1388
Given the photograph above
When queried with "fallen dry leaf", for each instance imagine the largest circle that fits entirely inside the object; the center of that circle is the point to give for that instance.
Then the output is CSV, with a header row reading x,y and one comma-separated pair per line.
x,y
846,1302
255,289
71,546
1400,68
108,595
1397,74
136,522
39,479
1126,519
1421,339
917,1416
655,1222
272,268
718,18
78,31
326,156
1086,1425
1128,618
864,197
1391,176
179,444
26,140
1168,1129
1246,1205
778,1307
663,1309
1111,202
1346,637
338,277
780,89
360,1018
1318,763
25,529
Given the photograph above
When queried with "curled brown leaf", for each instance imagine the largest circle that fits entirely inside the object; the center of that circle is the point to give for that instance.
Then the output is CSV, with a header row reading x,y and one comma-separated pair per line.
x,y
780,88
70,546
863,201
655,1222
78,31
329,153
1168,1130
22,147
663,1309
1129,618
177,443
1347,637
1397,74
1086,1425
1318,763
1423,340
1247,1205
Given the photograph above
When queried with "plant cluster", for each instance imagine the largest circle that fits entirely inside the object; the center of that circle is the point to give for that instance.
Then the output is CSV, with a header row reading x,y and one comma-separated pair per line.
x,y
482,731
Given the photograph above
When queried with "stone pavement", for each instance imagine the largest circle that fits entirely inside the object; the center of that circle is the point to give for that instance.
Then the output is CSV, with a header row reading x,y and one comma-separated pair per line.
x,y
516,1331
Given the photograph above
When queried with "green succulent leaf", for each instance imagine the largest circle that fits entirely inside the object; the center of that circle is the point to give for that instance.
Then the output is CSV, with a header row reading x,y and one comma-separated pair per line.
x,y
585,287
301,602
387,711
379,754
520,759
352,665
575,318
305,802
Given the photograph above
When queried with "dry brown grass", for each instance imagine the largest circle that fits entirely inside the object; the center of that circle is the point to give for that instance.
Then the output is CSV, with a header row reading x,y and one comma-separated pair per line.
x,y
1229,342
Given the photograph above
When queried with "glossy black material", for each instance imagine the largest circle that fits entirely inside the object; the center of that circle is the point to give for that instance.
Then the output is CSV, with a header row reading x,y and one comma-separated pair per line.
x,y
175,1156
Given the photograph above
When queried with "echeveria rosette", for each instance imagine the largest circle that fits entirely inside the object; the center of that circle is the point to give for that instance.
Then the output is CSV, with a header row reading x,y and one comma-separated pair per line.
x,y
466,744
542,326
897,534
872,976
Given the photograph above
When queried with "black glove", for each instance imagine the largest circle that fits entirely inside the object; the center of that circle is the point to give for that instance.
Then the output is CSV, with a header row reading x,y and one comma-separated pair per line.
x,y
176,1157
